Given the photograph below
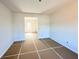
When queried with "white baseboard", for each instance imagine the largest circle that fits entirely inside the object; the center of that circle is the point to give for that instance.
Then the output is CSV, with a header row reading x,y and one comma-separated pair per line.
x,y
5,49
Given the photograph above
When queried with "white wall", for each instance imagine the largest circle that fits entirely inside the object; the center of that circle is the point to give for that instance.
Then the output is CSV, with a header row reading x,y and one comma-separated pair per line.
x,y
5,29
43,25
64,26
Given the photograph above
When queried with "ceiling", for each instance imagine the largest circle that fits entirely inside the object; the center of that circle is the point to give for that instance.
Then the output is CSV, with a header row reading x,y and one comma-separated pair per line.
x,y
34,6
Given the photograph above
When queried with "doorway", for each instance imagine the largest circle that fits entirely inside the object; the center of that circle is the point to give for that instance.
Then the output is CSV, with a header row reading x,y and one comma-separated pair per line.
x,y
31,27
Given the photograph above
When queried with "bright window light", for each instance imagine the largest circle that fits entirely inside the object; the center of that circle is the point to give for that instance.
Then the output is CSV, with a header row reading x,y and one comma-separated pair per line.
x,y
30,18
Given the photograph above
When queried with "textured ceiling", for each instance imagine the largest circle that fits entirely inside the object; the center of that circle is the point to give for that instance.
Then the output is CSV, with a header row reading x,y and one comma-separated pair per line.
x,y
34,6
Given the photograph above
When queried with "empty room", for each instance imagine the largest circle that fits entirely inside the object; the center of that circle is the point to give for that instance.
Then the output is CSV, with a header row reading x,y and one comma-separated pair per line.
x,y
38,29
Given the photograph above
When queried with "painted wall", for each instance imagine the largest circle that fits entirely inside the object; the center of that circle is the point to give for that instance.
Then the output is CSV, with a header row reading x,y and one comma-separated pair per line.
x,y
63,27
5,29
43,25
